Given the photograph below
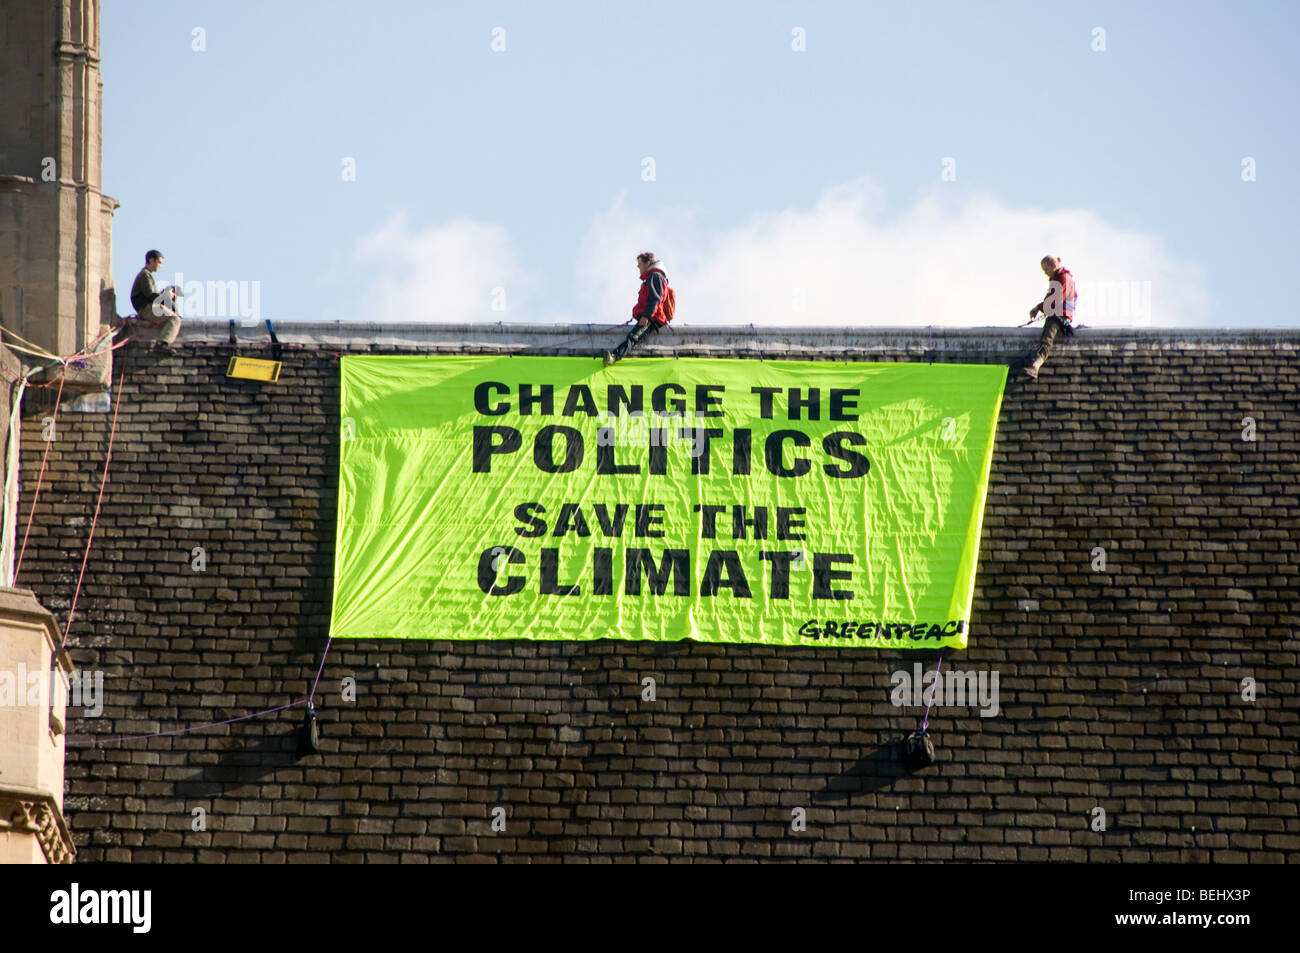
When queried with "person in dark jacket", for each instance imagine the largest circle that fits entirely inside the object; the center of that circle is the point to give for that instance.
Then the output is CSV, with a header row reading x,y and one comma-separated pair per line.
x,y
649,307
155,311
1057,309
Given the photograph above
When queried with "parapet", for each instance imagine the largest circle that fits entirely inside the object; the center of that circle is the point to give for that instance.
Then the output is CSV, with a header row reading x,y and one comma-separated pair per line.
x,y
798,342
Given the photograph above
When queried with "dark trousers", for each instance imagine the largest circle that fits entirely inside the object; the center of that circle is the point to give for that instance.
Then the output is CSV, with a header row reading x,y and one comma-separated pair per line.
x,y
1053,327
634,338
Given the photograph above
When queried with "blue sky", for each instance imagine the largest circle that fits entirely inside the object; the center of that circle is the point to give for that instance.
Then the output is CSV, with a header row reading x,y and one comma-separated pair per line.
x,y
789,186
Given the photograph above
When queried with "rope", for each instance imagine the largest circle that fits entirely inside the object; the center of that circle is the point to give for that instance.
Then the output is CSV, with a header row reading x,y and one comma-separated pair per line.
x,y
11,495
184,731
93,344
94,523
308,701
39,350
311,699
112,435
524,349
31,514
926,723
88,351
27,350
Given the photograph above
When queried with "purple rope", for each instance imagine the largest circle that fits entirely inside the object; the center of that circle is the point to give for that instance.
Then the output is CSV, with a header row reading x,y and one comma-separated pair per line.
x,y
229,721
182,731
926,723
311,699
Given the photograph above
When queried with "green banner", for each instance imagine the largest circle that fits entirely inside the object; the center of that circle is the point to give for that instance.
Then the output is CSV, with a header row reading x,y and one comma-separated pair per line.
x,y
780,502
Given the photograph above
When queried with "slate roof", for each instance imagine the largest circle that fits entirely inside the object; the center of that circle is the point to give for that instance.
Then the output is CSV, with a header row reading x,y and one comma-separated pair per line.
x,y
1119,689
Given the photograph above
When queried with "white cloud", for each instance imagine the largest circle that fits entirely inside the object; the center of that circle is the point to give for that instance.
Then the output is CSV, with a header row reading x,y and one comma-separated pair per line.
x,y
949,259
442,273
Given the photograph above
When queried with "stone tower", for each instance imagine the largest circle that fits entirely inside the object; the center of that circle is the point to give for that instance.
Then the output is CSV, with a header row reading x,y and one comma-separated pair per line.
x,y
56,282
56,293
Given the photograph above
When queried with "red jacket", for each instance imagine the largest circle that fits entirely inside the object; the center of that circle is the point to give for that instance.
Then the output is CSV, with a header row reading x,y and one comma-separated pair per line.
x,y
1061,295
650,302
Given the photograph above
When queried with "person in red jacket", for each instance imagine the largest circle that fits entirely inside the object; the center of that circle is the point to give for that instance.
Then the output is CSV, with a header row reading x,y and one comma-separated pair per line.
x,y
649,307
1057,309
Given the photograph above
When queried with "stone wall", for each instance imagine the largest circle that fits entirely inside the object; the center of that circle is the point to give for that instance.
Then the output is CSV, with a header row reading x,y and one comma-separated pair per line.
x,y
56,269
1120,689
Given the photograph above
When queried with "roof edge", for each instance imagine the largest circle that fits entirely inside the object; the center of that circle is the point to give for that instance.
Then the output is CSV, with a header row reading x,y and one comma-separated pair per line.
x,y
592,338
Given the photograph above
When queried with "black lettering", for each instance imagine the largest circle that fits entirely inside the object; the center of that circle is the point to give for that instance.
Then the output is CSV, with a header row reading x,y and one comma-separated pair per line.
x,y
713,579
810,629
661,405
607,526
706,402
739,521
658,465
813,402
676,563
833,443
787,522
483,393
824,575
580,399
550,570
774,452
741,451
765,395
708,519
487,573
602,572
605,463
544,396
571,520
700,438
536,525
544,449
843,404
485,445
780,587
618,397
647,518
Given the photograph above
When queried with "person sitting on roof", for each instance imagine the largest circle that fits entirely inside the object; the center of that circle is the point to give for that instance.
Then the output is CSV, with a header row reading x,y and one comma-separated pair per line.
x,y
155,311
649,307
1057,309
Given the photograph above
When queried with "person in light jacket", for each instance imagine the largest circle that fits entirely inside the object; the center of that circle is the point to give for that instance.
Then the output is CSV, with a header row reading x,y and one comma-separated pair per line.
x,y
1057,309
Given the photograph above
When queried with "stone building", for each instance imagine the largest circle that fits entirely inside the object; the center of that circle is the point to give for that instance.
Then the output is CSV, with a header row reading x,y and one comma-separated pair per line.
x,y
56,276
57,297
1121,689
1138,593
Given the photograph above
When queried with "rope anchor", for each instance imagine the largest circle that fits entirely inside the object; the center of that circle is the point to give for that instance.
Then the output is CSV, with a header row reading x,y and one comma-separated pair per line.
x,y
918,749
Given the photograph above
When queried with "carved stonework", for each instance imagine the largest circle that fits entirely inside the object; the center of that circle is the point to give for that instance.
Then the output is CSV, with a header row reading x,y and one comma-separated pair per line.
x,y
36,813
56,266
